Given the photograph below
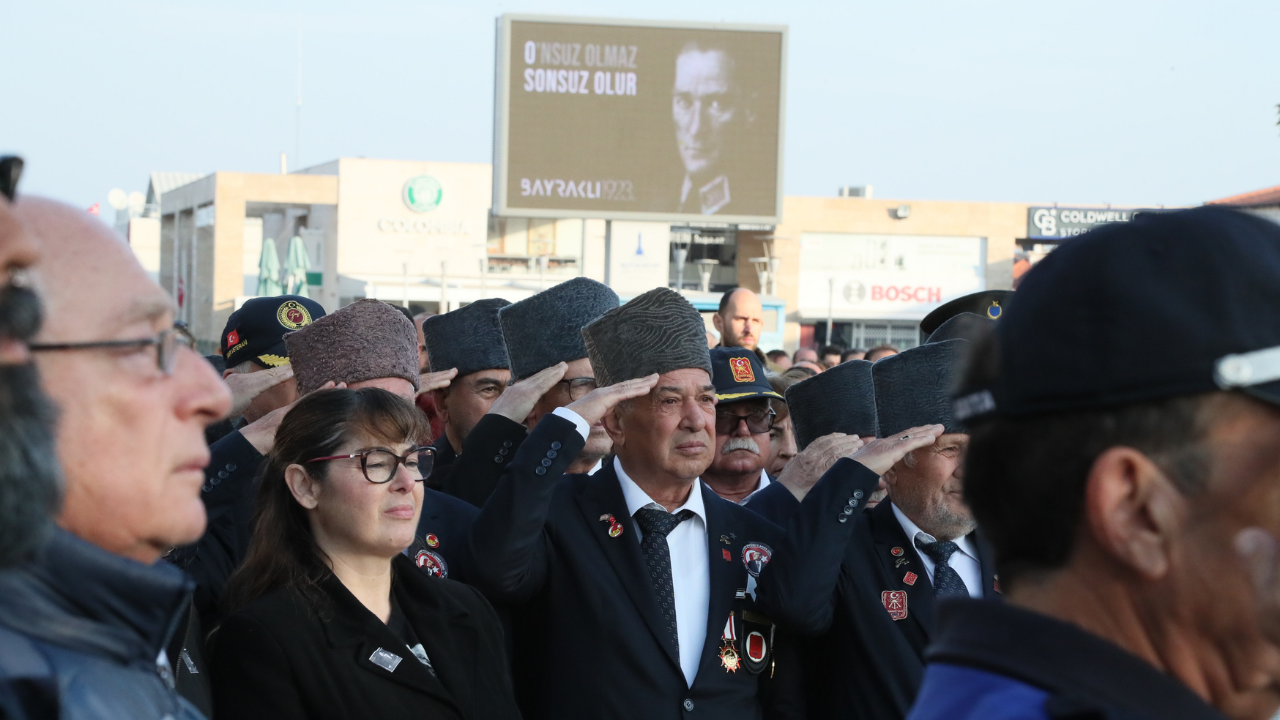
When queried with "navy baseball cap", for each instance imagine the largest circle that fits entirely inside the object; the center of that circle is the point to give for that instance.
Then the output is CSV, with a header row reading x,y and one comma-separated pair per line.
x,y
738,374
256,331
989,304
1169,304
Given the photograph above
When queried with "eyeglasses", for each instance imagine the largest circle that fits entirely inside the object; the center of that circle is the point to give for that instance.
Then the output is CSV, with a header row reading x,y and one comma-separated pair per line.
x,y
10,172
167,344
380,465
579,387
758,422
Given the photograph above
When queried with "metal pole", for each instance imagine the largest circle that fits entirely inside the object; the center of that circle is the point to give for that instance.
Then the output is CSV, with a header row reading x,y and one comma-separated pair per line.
x,y
297,113
831,300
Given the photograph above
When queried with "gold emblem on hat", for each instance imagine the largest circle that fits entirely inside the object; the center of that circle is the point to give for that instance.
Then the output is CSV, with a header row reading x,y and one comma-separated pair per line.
x,y
995,310
293,315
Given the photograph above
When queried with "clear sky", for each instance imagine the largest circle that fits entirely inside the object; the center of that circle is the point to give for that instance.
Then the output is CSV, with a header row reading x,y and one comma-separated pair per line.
x,y
1088,102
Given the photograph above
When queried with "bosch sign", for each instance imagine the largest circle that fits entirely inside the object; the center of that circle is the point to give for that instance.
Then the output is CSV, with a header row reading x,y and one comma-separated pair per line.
x,y
855,292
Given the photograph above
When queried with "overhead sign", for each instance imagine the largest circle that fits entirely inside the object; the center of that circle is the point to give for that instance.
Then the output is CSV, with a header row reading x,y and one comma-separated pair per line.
x,y
632,120
1057,223
900,277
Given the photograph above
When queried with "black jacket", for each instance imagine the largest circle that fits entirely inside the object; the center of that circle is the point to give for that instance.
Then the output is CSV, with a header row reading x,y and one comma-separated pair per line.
x,y
278,659
1031,665
774,503
86,626
473,474
829,580
600,647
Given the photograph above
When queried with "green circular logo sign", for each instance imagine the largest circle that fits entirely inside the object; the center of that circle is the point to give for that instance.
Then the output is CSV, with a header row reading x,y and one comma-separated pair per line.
x,y
422,193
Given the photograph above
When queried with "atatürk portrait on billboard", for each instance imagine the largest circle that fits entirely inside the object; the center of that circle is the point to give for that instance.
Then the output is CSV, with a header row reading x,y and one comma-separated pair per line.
x,y
713,119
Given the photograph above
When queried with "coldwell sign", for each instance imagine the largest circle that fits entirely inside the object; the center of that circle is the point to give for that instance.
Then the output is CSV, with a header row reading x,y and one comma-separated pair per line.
x,y
1057,223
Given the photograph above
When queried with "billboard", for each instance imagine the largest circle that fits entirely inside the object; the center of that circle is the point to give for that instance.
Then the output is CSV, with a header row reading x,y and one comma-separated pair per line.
x,y
629,120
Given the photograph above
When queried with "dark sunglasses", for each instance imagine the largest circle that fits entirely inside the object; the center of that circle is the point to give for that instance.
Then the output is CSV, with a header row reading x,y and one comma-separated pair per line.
x,y
10,172
758,422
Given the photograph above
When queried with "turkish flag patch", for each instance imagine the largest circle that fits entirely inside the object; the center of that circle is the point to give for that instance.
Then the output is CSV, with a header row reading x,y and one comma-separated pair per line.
x,y
909,578
726,554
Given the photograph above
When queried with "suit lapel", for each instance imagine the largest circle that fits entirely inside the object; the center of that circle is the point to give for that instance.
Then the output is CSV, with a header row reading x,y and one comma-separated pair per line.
x,y
602,497
888,535
987,562
450,653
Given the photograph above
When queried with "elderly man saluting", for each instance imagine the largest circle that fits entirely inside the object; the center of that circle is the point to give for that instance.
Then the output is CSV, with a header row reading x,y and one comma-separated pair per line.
x,y
641,575
743,420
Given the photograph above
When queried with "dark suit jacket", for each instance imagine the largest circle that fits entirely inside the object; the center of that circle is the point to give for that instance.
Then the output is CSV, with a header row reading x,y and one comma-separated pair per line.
x,y
443,527
603,653
473,474
775,503
828,579
278,659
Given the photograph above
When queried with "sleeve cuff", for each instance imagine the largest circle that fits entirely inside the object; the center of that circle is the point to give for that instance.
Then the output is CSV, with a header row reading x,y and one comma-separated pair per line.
x,y
581,425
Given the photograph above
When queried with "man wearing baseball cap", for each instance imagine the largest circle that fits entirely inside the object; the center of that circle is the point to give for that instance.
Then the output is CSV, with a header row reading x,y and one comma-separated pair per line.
x,y
1123,425
743,420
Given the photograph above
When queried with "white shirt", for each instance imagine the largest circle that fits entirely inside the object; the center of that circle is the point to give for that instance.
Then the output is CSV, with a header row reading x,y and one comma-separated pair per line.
x,y
764,483
964,561
690,568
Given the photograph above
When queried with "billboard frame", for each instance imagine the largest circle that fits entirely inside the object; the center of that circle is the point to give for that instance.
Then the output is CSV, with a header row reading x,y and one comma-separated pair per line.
x,y
501,125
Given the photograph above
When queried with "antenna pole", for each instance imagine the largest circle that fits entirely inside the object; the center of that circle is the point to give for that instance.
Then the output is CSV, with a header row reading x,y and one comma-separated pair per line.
x,y
297,115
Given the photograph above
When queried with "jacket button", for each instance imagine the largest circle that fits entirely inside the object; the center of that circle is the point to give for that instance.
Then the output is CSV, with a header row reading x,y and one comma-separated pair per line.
x,y
552,453
556,445
207,488
215,481
857,494
688,705
506,443
503,451
546,462
843,518
231,467
497,459
539,471
222,474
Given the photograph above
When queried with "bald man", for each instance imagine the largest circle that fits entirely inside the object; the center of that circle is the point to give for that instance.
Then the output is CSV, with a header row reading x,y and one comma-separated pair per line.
x,y
134,398
740,319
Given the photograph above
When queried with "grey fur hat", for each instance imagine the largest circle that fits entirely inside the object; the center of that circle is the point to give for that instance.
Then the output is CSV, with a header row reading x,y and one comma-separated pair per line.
x,y
547,328
914,387
842,399
365,340
656,332
964,326
468,338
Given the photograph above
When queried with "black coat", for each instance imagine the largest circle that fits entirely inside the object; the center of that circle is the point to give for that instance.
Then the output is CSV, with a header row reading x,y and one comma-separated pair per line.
x,y
600,647
827,581
278,659
774,503
473,474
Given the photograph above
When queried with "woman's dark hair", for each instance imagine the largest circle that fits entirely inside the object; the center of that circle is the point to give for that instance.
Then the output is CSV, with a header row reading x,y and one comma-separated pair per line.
x,y
283,551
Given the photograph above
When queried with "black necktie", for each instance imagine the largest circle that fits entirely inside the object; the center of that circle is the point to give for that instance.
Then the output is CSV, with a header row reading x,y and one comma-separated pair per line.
x,y
655,523
946,581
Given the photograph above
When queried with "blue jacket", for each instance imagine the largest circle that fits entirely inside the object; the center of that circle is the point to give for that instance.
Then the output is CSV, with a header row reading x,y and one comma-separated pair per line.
x,y
994,661
90,626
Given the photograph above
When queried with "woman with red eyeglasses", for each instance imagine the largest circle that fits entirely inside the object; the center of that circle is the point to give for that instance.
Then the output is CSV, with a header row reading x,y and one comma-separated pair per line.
x,y
327,618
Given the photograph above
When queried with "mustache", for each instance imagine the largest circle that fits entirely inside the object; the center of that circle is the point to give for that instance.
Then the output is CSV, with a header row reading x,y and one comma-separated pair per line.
x,y
20,312
739,443
30,480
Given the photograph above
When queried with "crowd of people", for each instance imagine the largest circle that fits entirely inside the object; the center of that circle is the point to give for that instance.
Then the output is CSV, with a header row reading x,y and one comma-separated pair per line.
x,y
1064,503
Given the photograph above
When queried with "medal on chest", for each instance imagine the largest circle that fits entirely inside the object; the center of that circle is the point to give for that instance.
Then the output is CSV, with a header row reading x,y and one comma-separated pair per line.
x,y
729,657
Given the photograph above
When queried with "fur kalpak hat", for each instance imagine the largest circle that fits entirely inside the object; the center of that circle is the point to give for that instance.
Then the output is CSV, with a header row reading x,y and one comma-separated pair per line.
x,y
914,387
547,328
842,399
656,332
468,338
365,340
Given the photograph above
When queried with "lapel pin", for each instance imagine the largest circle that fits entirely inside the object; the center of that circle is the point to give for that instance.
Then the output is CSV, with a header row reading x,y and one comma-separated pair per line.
x,y
386,660
895,601
900,562
432,541
726,554
615,529
724,539
896,552
909,578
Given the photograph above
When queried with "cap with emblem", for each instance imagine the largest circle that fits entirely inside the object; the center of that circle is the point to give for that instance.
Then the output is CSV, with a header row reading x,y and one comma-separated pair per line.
x,y
1166,305
989,304
914,387
965,326
738,374
547,328
365,340
469,338
656,332
842,399
256,331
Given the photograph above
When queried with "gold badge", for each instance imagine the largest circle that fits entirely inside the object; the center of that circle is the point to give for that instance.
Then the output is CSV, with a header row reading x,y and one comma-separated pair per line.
x,y
293,315
994,311
729,657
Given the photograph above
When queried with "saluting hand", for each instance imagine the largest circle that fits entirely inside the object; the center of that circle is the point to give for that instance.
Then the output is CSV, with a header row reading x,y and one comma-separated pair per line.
x,y
247,386
596,403
517,401
883,453
261,433
806,468
436,380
